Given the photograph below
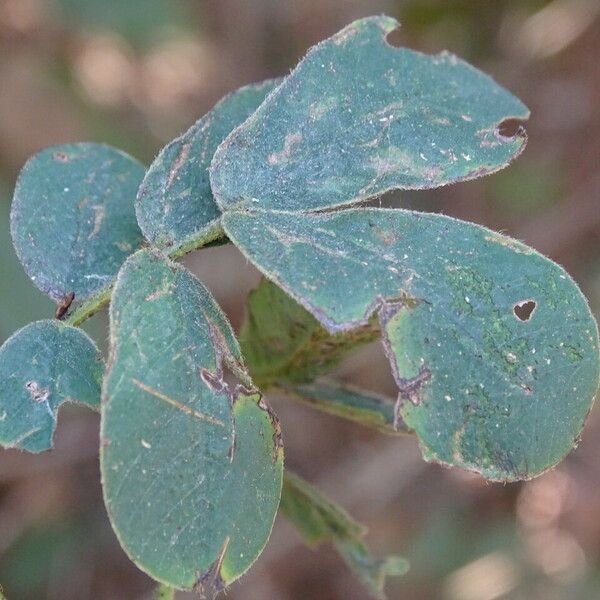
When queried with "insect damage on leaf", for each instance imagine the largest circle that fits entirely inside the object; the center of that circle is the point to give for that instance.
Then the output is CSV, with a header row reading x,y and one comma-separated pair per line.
x,y
175,206
394,118
191,464
496,373
42,366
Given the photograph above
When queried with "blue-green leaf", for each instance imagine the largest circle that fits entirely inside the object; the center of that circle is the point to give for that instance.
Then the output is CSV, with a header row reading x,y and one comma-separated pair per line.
x,y
175,206
358,117
42,366
493,346
191,465
73,219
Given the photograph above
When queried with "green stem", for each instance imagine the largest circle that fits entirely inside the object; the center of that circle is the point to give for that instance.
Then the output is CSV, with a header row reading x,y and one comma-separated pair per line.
x,y
164,592
213,236
89,307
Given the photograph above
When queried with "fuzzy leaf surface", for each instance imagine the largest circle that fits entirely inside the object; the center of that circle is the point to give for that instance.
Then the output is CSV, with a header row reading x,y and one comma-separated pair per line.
x,y
358,117
191,467
493,346
73,220
42,366
175,205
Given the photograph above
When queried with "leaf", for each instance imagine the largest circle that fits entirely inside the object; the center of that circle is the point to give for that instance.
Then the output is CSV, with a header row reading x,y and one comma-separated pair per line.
x,y
348,402
42,366
492,345
358,117
175,205
318,520
282,342
72,218
191,466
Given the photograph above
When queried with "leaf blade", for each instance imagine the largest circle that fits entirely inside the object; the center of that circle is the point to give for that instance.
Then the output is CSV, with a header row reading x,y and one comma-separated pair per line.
x,y
358,117
175,206
42,366
283,343
184,458
434,306
88,226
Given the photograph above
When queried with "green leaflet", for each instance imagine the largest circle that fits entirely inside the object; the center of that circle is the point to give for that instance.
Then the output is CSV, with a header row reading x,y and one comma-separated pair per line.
x,y
175,206
191,467
348,402
318,520
358,117
72,218
282,342
492,345
42,366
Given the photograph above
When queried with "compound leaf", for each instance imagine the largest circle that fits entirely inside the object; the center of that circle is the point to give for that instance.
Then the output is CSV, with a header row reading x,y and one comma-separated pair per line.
x,y
191,467
319,520
492,345
175,206
358,117
73,219
282,342
42,366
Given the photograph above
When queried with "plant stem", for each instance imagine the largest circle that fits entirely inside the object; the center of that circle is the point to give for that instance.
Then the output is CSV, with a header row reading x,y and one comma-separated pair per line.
x,y
89,307
164,592
211,237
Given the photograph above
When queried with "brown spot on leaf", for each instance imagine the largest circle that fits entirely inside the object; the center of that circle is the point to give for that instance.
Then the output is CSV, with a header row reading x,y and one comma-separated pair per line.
x,y
38,393
64,305
179,162
524,310
211,583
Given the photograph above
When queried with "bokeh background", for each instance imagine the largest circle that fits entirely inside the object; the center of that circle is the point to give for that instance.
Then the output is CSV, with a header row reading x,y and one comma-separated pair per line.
x,y
135,73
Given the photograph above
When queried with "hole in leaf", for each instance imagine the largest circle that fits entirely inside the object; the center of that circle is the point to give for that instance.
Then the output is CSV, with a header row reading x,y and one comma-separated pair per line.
x,y
524,310
509,129
394,38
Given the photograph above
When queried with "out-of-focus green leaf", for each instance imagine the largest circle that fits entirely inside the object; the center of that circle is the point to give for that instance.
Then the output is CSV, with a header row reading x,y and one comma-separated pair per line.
x,y
191,466
20,303
318,520
42,366
73,219
358,117
282,342
493,346
141,21
175,206
348,402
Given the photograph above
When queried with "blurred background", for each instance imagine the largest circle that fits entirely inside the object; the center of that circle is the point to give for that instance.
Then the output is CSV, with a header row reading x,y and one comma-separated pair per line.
x,y
135,73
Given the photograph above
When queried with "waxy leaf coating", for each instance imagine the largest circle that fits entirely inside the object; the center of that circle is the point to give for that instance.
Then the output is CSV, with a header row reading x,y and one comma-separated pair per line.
x,y
42,366
175,204
492,345
191,466
73,218
358,117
